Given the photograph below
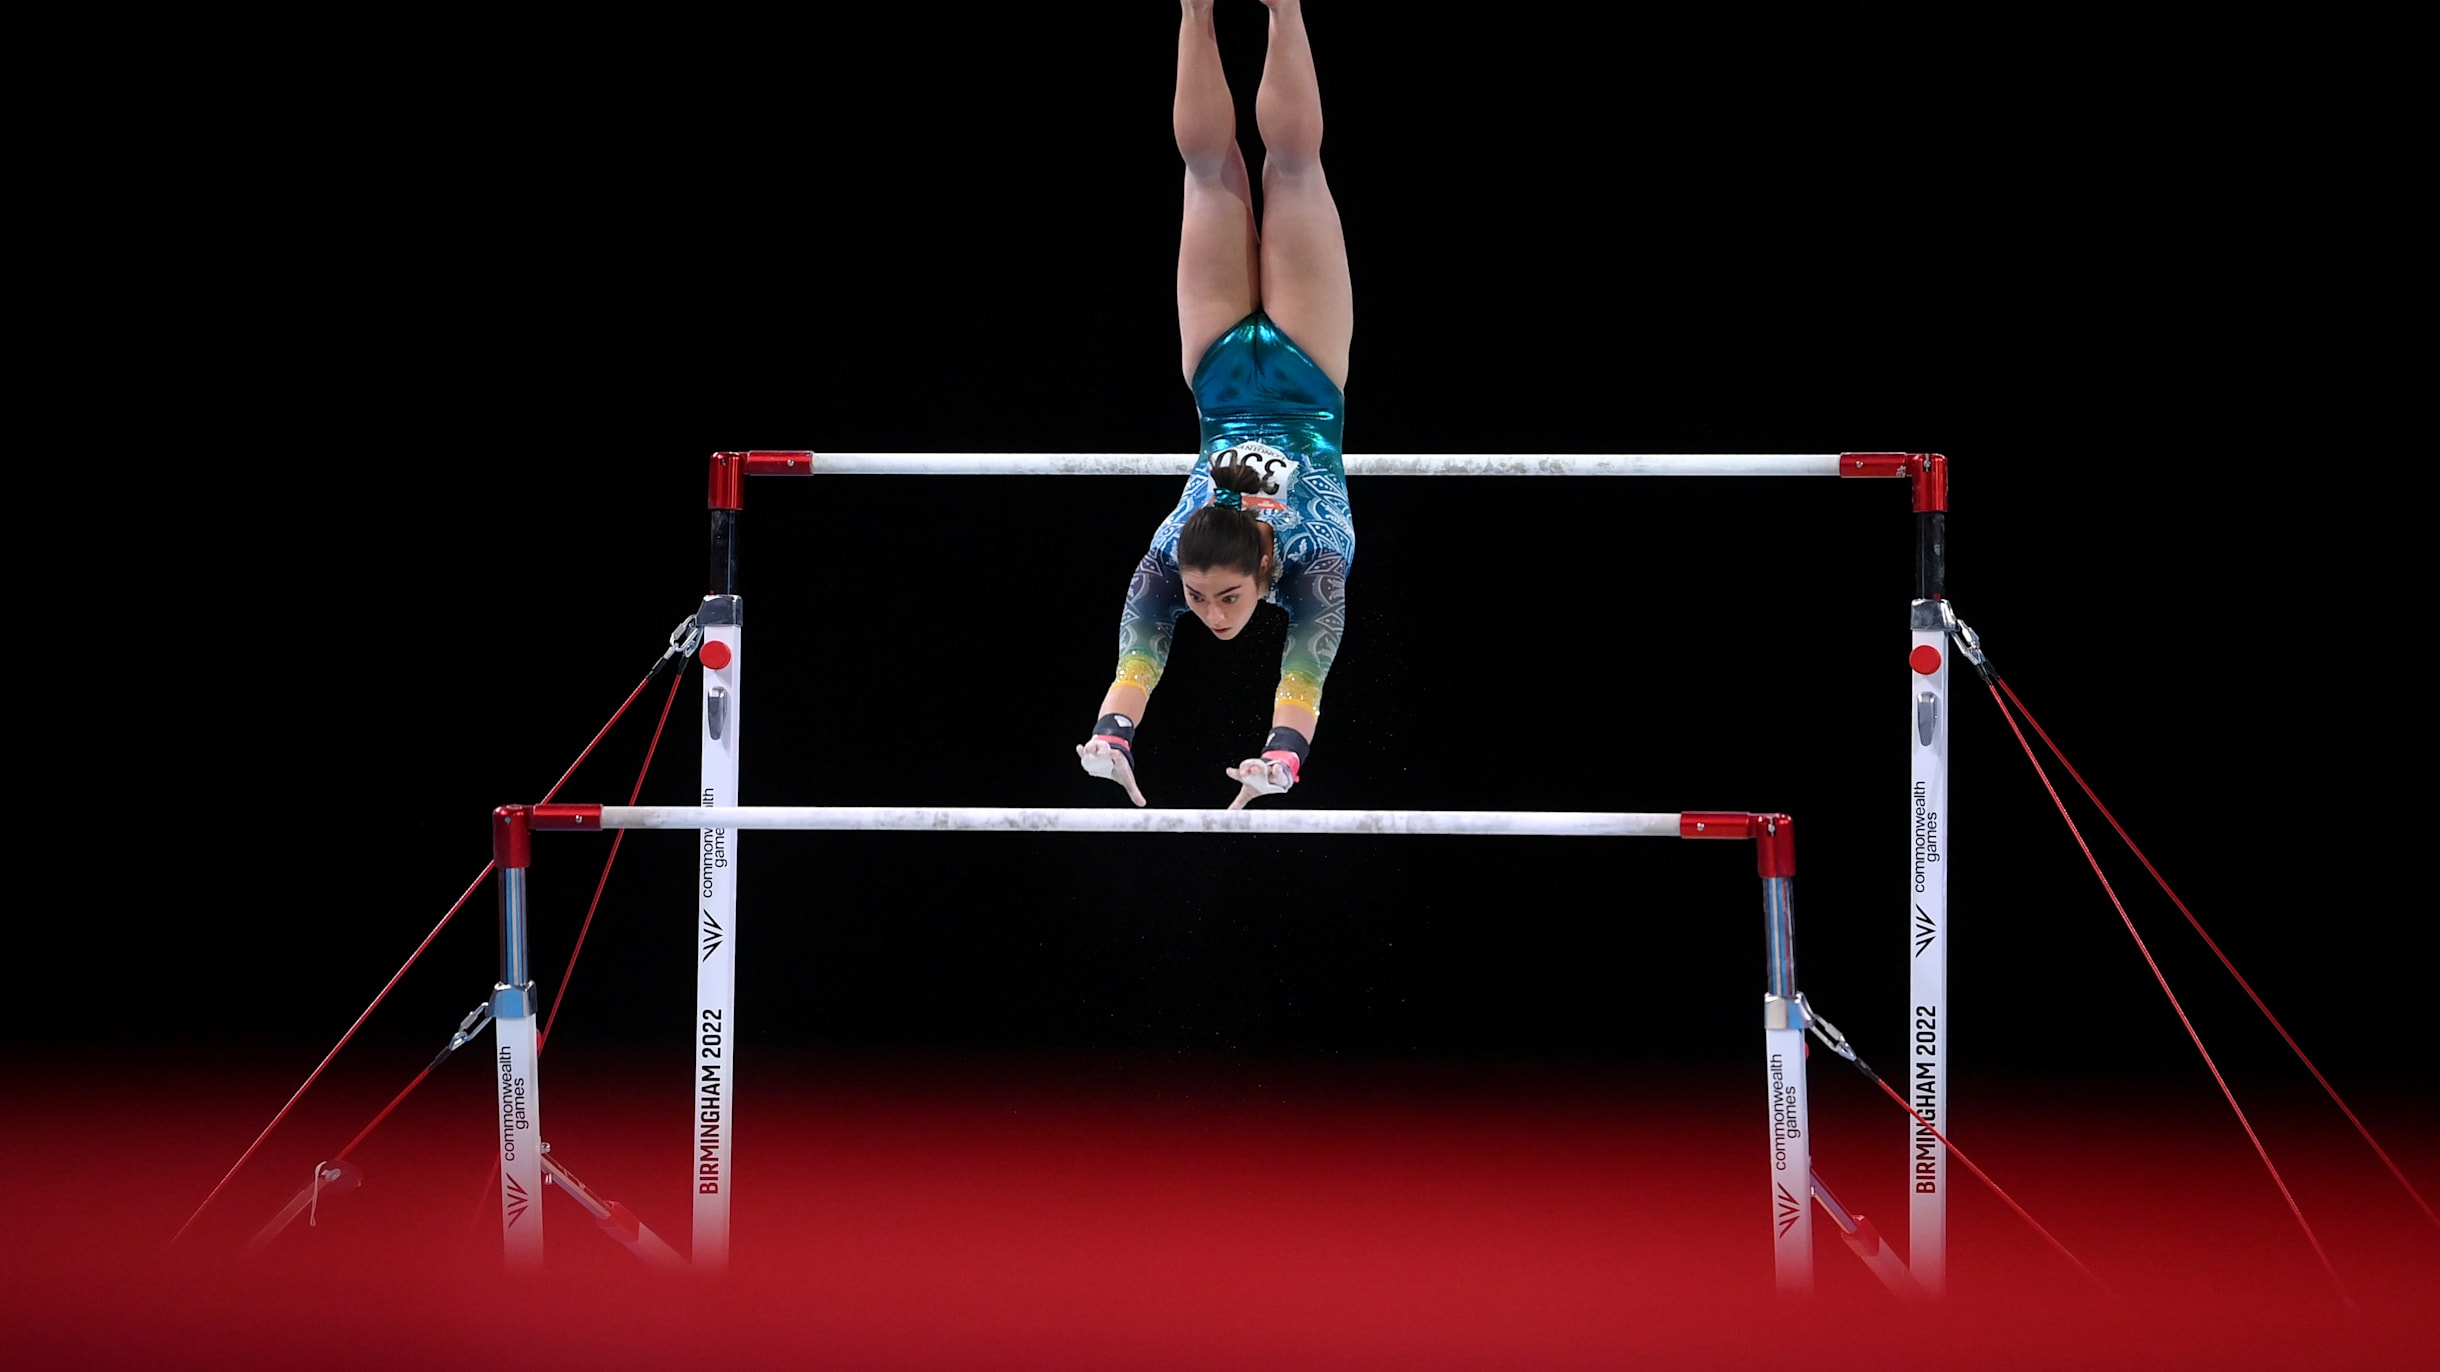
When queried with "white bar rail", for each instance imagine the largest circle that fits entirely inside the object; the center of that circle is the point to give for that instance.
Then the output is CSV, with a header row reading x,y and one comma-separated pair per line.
x,y
1358,464
1575,823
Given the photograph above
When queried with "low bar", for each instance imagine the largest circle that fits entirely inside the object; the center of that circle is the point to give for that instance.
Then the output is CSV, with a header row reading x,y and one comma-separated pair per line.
x,y
1565,823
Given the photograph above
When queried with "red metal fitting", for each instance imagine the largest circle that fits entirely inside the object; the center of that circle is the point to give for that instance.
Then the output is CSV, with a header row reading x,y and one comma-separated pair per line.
x,y
1774,836
1875,464
512,841
1928,473
779,462
728,486
1775,845
730,470
1715,824
1866,1240
1931,476
621,1223
562,817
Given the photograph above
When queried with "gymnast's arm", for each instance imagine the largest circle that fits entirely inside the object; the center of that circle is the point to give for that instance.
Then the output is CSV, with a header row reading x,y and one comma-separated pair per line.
x,y
1315,597
1156,596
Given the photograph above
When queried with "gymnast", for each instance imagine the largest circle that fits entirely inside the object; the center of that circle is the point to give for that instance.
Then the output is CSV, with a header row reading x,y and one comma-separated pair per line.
x,y
1265,314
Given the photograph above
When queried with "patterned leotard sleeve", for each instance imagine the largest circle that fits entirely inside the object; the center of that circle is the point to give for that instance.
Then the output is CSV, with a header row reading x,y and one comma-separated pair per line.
x,y
1156,596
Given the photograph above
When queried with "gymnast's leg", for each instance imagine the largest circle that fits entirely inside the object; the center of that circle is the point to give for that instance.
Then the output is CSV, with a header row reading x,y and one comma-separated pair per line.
x,y
1219,281
1305,286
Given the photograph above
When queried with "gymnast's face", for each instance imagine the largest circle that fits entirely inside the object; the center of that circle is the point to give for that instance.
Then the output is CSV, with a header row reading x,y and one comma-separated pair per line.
x,y
1222,597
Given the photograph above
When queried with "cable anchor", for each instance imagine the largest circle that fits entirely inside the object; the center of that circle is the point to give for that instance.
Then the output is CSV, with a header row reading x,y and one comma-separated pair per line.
x,y
683,641
1967,641
1830,1036
466,1030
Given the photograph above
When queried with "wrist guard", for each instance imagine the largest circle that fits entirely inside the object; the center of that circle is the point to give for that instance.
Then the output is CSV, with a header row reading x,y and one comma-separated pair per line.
x,y
1287,747
1119,732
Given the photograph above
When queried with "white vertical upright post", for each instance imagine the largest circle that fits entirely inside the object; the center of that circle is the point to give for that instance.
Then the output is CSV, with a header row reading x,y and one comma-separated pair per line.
x,y
1783,1037
516,1061
512,1027
1927,1031
1783,1046
712,1066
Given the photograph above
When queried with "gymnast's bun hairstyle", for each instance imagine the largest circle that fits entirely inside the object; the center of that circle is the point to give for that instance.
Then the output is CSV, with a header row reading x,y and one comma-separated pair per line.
x,y
1224,534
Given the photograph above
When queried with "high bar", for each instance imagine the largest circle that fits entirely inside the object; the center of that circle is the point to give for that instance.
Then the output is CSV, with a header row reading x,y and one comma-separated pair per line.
x,y
1567,823
775,463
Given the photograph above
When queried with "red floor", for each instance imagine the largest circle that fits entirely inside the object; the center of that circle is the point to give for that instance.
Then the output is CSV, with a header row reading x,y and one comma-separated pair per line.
x,y
1022,1216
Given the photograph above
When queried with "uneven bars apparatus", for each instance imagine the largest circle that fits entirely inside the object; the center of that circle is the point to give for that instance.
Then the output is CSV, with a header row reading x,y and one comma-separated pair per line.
x,y
712,1082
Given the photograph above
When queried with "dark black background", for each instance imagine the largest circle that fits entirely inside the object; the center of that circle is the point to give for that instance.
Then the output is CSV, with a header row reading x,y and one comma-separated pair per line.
x,y
410,379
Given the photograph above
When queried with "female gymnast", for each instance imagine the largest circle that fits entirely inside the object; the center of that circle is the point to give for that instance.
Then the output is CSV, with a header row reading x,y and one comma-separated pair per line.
x,y
1265,314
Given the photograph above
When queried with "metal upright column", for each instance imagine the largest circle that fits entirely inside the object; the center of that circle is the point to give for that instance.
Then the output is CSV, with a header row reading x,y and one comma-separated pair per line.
x,y
517,1055
1783,1036
712,1045
1928,1019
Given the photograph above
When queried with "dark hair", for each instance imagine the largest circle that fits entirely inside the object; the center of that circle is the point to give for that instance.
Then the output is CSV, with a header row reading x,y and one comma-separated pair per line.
x,y
1219,536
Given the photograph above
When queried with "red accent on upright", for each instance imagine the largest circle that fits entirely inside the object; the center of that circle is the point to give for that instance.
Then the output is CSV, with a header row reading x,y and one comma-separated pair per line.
x,y
779,462
715,654
512,842
1931,474
564,816
1866,1240
1775,845
1925,659
728,488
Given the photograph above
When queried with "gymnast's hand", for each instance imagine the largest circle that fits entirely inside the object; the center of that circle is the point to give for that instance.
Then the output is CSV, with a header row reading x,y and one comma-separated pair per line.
x,y
1104,759
1261,777
1283,757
